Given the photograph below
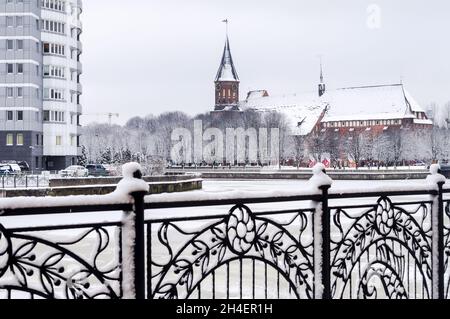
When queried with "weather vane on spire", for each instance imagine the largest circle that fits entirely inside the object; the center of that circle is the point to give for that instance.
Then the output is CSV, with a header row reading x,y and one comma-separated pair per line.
x,y
226,26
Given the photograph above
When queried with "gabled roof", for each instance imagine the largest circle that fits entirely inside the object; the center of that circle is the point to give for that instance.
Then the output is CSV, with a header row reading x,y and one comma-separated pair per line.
x,y
305,110
302,111
370,102
256,94
227,71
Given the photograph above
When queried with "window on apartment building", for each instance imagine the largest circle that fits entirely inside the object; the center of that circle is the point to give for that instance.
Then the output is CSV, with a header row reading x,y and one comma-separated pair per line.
x,y
9,44
19,139
37,70
20,68
19,44
46,47
37,47
20,115
46,116
9,22
10,68
9,115
10,92
58,140
72,140
9,139
19,92
53,26
54,94
37,139
19,21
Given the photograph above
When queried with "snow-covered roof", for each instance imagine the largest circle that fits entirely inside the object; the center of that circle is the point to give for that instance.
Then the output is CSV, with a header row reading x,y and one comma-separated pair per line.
x,y
227,71
303,111
368,102
257,94
415,107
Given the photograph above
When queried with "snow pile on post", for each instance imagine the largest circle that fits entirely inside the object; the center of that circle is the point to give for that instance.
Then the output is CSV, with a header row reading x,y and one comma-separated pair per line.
x,y
318,180
434,180
128,267
132,182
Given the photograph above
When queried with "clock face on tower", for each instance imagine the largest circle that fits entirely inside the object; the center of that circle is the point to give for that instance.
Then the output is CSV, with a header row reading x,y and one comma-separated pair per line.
x,y
217,87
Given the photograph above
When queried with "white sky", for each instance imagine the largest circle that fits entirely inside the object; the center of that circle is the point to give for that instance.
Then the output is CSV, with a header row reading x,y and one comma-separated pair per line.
x,y
151,56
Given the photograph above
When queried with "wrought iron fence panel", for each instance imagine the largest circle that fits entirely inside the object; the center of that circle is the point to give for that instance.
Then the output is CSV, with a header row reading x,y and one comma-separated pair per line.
x,y
382,250
240,255
62,262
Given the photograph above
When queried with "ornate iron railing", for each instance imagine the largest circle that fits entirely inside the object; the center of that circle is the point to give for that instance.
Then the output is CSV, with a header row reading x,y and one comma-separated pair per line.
x,y
320,243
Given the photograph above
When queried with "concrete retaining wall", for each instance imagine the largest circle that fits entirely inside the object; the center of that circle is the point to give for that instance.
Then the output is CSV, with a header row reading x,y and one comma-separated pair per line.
x,y
305,175
155,188
83,181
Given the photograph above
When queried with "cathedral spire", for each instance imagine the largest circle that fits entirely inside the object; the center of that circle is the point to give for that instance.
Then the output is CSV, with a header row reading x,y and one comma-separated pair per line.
x,y
322,86
227,80
227,71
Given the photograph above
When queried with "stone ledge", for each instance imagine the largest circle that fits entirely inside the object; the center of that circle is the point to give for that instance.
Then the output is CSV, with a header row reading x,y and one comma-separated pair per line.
x,y
155,188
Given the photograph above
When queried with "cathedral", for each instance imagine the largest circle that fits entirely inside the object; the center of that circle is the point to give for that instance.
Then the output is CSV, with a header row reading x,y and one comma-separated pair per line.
x,y
377,108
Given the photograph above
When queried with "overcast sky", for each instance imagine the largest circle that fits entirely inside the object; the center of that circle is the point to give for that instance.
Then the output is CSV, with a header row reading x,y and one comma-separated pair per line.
x,y
149,56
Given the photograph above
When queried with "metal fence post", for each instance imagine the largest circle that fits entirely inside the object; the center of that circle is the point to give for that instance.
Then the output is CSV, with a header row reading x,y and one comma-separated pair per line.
x,y
139,246
322,243
326,246
441,243
437,180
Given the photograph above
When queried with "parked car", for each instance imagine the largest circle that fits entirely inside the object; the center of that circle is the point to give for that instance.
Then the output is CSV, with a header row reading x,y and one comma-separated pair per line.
x,y
23,166
97,170
11,167
5,170
112,170
74,171
420,163
445,170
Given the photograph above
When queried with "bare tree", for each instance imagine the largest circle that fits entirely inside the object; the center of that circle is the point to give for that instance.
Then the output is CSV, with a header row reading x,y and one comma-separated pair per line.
x,y
358,147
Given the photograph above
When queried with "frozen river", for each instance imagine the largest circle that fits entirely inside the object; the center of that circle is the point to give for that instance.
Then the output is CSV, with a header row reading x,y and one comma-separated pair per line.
x,y
209,186
267,185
